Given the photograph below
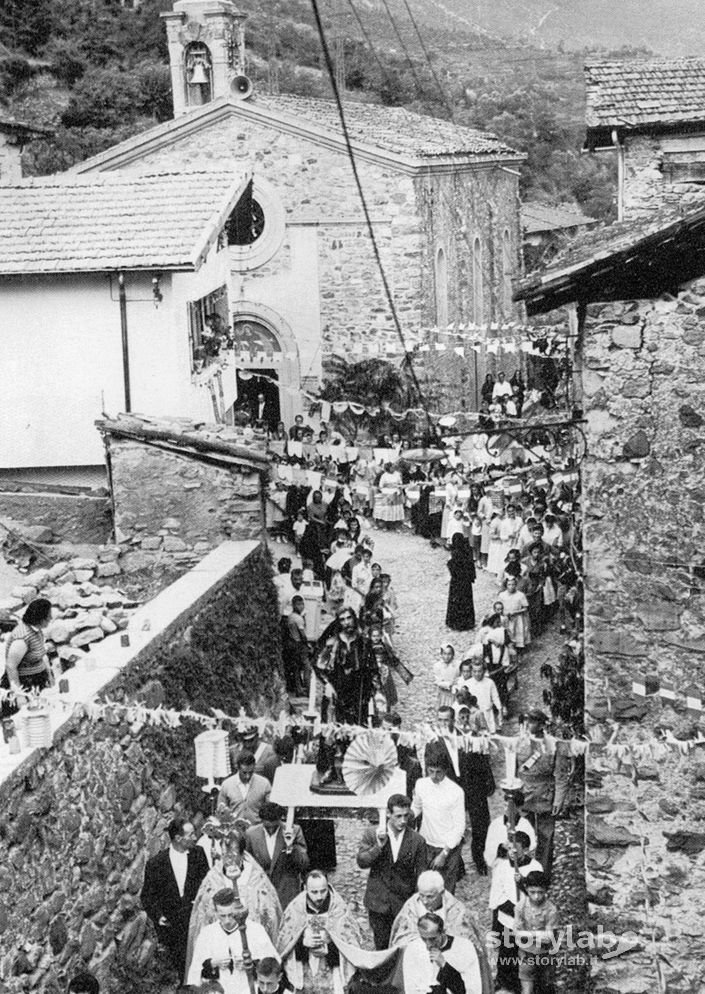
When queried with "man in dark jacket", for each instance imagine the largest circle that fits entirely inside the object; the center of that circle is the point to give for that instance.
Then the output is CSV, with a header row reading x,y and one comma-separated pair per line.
x,y
280,851
171,882
395,857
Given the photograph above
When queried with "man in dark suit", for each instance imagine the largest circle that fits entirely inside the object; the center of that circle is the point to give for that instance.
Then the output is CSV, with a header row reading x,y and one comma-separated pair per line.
x,y
262,413
395,857
447,743
171,882
280,851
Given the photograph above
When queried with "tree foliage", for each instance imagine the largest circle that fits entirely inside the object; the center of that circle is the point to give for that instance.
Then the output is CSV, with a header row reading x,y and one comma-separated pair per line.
x,y
25,25
372,383
112,59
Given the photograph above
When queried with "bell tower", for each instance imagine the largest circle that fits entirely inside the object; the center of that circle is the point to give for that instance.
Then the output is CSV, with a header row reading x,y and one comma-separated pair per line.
x,y
206,42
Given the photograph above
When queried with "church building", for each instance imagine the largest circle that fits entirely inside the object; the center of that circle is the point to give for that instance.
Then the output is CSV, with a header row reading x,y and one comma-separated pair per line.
x,y
300,276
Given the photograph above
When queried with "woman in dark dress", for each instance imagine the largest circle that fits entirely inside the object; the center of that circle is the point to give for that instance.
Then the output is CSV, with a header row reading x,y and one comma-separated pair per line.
x,y
460,615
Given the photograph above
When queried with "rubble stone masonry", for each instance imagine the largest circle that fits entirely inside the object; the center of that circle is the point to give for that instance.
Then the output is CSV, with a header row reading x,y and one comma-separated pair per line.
x,y
78,820
644,399
177,507
647,186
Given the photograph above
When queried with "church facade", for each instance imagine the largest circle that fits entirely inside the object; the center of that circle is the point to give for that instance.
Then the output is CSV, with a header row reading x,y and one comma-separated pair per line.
x,y
304,281
295,267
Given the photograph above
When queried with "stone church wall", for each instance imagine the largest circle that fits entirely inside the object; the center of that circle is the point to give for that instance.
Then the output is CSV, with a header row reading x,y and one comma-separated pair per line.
x,y
324,281
644,532
78,820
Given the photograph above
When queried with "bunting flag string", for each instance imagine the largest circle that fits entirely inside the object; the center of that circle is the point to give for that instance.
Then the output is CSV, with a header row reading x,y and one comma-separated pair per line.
x,y
650,685
532,402
138,716
463,340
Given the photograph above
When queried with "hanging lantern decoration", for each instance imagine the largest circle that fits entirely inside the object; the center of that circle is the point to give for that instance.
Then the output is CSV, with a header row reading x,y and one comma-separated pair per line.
x,y
212,756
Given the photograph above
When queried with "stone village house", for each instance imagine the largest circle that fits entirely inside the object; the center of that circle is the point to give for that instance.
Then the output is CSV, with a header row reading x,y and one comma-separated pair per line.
x,y
652,114
97,276
638,289
298,280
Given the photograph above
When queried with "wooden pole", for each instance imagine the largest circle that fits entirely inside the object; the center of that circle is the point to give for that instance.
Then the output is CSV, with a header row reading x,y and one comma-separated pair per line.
x,y
241,912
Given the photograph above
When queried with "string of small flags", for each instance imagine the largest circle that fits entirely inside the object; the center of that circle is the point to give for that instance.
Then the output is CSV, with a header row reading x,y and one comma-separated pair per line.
x,y
648,685
138,716
548,342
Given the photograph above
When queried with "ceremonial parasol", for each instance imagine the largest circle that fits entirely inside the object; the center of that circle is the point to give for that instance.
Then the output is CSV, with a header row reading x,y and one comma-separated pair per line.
x,y
338,559
423,455
370,762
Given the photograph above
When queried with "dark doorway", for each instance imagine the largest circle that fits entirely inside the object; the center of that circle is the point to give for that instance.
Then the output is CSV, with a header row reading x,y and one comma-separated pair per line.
x,y
250,385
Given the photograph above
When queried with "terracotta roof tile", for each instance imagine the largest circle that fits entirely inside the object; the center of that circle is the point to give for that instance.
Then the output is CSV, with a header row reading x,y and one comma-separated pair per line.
x,y
393,129
537,217
645,92
100,222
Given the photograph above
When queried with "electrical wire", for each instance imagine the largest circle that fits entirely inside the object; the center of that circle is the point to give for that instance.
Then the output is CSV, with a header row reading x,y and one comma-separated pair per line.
x,y
441,90
363,201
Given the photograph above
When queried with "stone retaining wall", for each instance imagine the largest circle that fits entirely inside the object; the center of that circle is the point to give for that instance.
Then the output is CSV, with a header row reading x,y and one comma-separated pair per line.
x,y
78,820
79,518
172,505
644,531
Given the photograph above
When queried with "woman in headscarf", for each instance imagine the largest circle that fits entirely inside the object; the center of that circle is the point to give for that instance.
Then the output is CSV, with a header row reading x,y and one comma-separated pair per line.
x,y
309,548
460,615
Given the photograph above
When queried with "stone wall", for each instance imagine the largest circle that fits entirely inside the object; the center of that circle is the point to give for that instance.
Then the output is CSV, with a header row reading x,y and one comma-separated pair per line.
x,y
324,282
646,186
175,505
643,365
79,820
69,517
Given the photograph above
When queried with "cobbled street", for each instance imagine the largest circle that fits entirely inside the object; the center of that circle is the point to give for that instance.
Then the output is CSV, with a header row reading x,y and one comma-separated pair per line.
x,y
420,579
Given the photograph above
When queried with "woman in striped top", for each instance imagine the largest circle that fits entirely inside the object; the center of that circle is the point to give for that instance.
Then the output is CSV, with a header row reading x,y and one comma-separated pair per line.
x,y
26,661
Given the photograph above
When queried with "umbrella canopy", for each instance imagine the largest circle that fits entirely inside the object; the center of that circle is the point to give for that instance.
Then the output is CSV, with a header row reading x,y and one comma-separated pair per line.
x,y
423,455
370,762
338,559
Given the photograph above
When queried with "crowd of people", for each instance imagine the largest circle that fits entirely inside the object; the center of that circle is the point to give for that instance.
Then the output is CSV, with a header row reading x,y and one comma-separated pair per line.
x,y
338,613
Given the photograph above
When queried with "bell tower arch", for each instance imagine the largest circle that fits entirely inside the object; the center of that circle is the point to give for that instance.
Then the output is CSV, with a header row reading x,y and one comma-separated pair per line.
x,y
206,44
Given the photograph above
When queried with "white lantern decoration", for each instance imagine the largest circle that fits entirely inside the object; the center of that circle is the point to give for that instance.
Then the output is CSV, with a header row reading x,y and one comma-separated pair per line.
x,y
212,756
37,728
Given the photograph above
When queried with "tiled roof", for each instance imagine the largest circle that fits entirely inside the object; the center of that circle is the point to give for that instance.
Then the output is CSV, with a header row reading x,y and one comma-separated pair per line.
x,y
537,217
390,128
192,436
108,221
639,93
612,248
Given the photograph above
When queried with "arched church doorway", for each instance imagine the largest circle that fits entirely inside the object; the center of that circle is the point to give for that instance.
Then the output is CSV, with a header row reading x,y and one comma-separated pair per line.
x,y
267,369
258,396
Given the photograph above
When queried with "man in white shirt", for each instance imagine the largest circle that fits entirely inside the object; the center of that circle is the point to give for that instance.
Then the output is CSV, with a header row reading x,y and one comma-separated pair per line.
x,y
395,856
440,963
362,572
502,388
498,834
448,742
440,804
219,953
171,882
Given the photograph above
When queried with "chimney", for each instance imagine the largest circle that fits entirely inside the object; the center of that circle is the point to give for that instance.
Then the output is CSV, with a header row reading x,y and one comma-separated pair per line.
x,y
14,135
206,53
